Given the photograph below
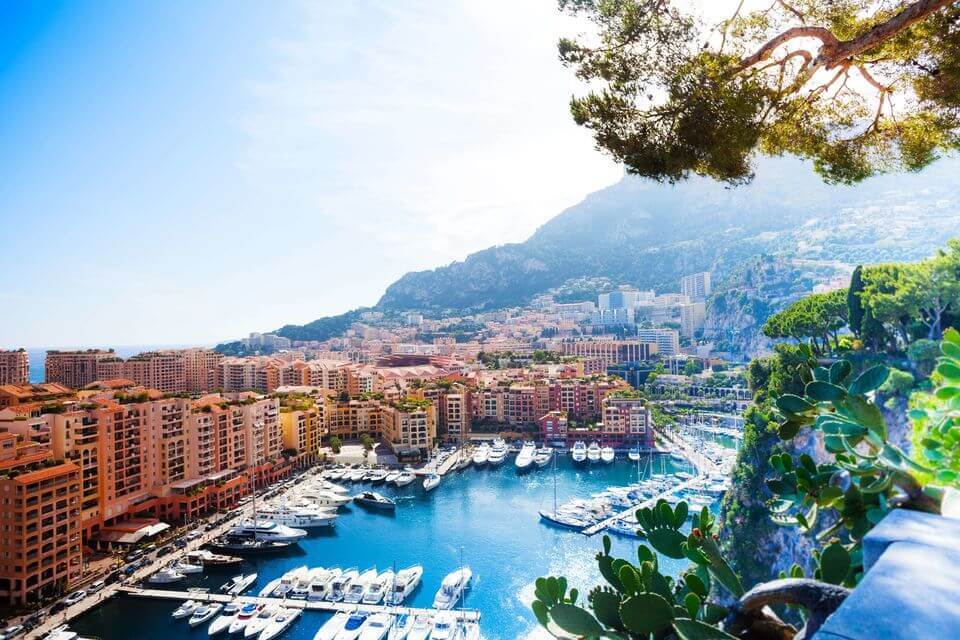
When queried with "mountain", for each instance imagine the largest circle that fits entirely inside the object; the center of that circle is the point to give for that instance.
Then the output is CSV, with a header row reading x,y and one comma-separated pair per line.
x,y
649,234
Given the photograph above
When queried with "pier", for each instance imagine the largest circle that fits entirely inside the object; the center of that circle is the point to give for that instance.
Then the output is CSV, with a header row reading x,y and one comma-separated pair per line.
x,y
467,615
630,511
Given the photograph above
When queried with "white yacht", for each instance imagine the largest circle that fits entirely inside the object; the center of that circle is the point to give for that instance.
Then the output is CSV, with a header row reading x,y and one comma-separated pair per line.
x,y
358,587
421,627
165,576
332,627
452,588
259,622
301,590
186,568
185,609
392,477
525,457
498,452
404,479
300,517
378,588
579,451
237,585
323,498
339,585
593,452
481,454
634,453
431,482
224,620
351,630
287,582
246,613
444,626
543,456
267,530
376,627
204,613
401,627
404,584
607,454
280,623
320,584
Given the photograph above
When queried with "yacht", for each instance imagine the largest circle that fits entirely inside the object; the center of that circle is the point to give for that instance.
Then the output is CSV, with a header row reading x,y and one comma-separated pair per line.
x,y
332,627
223,621
247,613
340,584
579,451
481,454
297,516
469,631
607,454
257,624
593,452
301,589
378,588
268,531
525,457
62,632
404,479
444,626
356,590
166,576
376,627
401,627
209,559
678,456
405,582
452,588
357,475
431,482
351,630
336,474
498,452
287,582
421,627
392,477
186,568
543,456
204,613
320,585
375,500
238,584
323,498
280,623
634,453
379,476
185,609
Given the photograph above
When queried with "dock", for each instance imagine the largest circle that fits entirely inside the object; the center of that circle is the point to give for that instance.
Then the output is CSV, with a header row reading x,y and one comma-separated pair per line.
x,y
467,615
630,511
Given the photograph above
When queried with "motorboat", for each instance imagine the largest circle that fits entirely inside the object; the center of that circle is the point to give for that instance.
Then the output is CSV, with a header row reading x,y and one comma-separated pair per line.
x,y
187,568
607,454
320,500
374,500
62,632
279,623
376,627
431,482
332,627
525,457
268,531
401,627
248,544
204,613
341,583
404,583
468,631
444,626
481,454
258,623
634,453
223,621
564,519
165,576
332,487
288,581
379,476
238,584
392,477
357,475
301,588
320,584
356,590
351,630
336,474
207,558
246,613
377,589
186,609
498,452
593,452
543,456
452,588
421,627
404,479
579,451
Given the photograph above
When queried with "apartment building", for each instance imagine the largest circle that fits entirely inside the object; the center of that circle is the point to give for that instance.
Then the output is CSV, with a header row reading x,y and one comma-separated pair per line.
x,y
553,426
201,368
348,419
76,369
454,405
161,370
40,519
611,351
667,341
627,419
12,395
692,318
14,367
303,429
696,286
410,424
259,373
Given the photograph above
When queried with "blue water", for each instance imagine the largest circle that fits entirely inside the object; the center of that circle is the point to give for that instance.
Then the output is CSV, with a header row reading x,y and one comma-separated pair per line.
x,y
488,515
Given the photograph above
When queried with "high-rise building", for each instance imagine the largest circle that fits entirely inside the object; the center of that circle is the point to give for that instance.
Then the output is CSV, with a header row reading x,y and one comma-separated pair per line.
x,y
14,367
161,370
201,369
692,318
696,285
75,369
611,351
666,340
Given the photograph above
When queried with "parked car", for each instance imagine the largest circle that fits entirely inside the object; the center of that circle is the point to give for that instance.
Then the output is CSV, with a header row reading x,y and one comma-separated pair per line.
x,y
14,631
75,597
163,551
96,586
57,607
179,543
133,555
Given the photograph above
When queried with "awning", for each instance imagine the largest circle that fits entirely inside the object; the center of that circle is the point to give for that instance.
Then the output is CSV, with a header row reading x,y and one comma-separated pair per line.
x,y
133,537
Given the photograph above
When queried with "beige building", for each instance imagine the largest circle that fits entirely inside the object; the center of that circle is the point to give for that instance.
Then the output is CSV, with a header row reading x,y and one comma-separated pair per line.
x,y
75,369
14,367
692,318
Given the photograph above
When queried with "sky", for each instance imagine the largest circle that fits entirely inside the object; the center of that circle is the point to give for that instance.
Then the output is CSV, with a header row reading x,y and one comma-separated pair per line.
x,y
187,172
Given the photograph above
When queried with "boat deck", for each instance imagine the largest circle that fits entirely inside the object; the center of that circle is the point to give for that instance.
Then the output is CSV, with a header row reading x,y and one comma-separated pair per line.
x,y
467,615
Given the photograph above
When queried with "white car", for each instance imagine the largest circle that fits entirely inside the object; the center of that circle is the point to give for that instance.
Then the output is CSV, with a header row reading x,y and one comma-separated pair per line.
x,y
75,597
96,586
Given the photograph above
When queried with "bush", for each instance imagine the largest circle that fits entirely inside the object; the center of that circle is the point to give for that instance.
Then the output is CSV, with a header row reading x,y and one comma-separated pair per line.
x,y
923,354
898,383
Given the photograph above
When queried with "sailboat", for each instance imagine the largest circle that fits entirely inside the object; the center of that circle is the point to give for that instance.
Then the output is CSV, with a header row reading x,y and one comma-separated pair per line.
x,y
566,520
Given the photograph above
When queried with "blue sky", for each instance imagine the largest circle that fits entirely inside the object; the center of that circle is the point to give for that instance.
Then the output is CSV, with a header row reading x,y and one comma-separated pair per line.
x,y
179,172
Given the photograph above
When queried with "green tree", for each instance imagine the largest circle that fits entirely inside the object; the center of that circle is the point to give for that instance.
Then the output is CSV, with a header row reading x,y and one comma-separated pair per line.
x,y
692,367
858,86
854,306
335,444
818,317
367,442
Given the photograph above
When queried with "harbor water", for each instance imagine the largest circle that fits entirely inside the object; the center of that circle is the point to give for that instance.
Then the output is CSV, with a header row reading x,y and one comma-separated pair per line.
x,y
487,516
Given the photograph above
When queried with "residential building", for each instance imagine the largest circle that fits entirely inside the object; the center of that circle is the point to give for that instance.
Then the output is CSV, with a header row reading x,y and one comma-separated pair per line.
x,y
161,370
40,547
410,424
267,341
12,395
627,419
75,369
696,286
692,318
14,367
201,369
667,341
612,351
553,426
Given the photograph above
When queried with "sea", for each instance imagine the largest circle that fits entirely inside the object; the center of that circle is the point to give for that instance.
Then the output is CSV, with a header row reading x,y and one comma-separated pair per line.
x,y
486,518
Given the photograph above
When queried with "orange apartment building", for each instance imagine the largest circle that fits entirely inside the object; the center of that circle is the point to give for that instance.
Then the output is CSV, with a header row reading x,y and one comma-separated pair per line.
x,y
76,369
40,550
14,367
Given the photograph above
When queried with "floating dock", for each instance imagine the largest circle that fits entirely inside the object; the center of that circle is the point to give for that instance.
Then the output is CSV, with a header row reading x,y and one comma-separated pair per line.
x,y
467,615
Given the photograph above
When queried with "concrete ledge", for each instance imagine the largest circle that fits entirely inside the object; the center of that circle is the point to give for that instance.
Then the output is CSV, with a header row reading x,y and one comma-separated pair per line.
x,y
918,527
